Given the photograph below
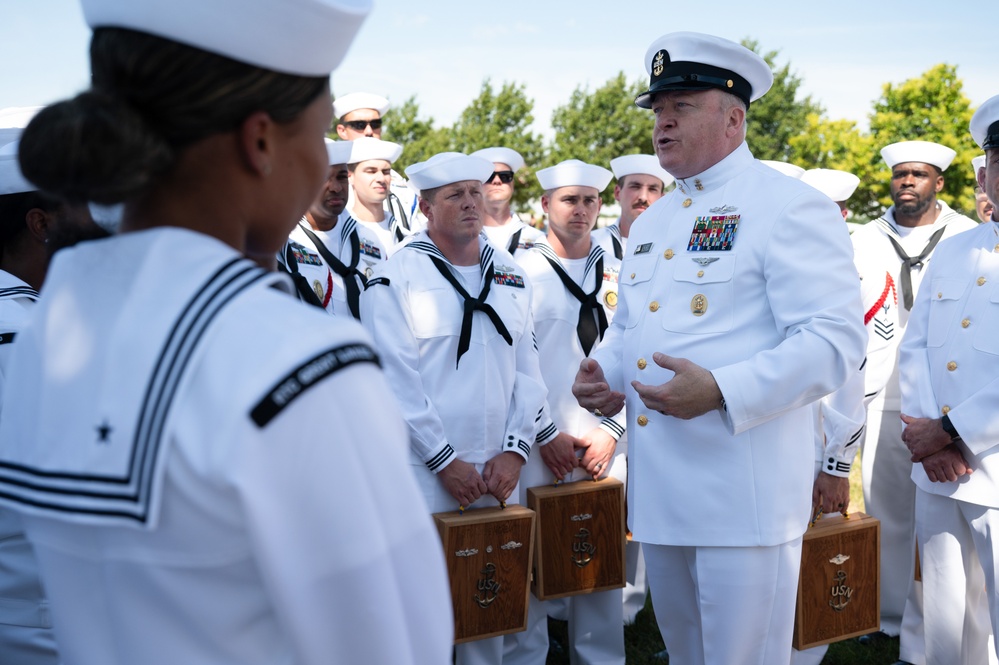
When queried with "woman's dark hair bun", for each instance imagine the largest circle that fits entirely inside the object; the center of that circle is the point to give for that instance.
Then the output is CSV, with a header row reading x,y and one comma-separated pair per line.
x,y
93,147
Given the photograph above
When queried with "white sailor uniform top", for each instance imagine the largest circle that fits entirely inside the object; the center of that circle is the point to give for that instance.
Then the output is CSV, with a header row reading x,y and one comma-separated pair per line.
x,y
843,413
725,271
376,242
557,315
874,246
611,240
338,250
170,448
470,386
25,617
516,236
16,299
949,359
312,278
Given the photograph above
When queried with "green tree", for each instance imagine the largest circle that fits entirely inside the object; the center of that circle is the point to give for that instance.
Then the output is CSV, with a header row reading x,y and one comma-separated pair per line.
x,y
779,116
838,144
501,118
599,126
931,107
419,138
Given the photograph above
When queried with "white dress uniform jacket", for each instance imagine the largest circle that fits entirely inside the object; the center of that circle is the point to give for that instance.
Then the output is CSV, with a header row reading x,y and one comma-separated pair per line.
x,y
949,364
170,449
888,491
949,359
749,274
473,409
25,618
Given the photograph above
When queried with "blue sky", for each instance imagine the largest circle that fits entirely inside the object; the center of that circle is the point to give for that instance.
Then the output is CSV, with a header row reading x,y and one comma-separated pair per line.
x,y
441,51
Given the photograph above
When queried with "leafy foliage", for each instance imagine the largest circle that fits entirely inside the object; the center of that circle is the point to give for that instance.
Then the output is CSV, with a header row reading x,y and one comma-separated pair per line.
x,y
931,107
501,118
599,126
779,116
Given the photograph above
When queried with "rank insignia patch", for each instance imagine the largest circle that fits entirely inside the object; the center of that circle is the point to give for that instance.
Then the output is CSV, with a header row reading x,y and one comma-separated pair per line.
x,y
370,250
713,234
506,277
644,248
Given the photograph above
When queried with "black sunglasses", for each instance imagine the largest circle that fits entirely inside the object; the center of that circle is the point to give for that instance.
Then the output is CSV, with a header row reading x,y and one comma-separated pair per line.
x,y
359,125
506,177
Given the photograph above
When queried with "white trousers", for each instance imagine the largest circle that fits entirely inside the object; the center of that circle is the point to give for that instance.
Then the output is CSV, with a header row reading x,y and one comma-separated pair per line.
x,y
596,632
959,558
637,587
890,496
725,605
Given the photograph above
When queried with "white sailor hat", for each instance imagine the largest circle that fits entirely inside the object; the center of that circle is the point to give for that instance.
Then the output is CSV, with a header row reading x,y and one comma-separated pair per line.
x,y
368,147
639,164
11,180
263,33
976,164
694,61
338,151
985,124
574,173
837,185
786,168
499,155
924,152
446,168
359,100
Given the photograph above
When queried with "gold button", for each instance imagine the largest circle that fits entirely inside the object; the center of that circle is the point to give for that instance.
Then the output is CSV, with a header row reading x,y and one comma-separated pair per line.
x,y
653,306
945,410
965,323
642,421
939,294
668,254
700,273
686,203
951,366
642,363
996,248
633,275
981,281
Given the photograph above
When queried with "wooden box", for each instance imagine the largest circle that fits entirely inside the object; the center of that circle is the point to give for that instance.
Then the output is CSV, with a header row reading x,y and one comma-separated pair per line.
x,y
580,537
489,552
839,586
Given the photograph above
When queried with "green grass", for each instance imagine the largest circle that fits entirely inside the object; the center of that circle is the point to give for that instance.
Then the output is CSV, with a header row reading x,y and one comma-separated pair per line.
x,y
642,640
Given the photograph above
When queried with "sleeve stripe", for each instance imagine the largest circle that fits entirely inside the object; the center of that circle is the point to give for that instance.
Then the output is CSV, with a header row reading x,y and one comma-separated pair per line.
x,y
437,460
546,433
613,426
524,448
